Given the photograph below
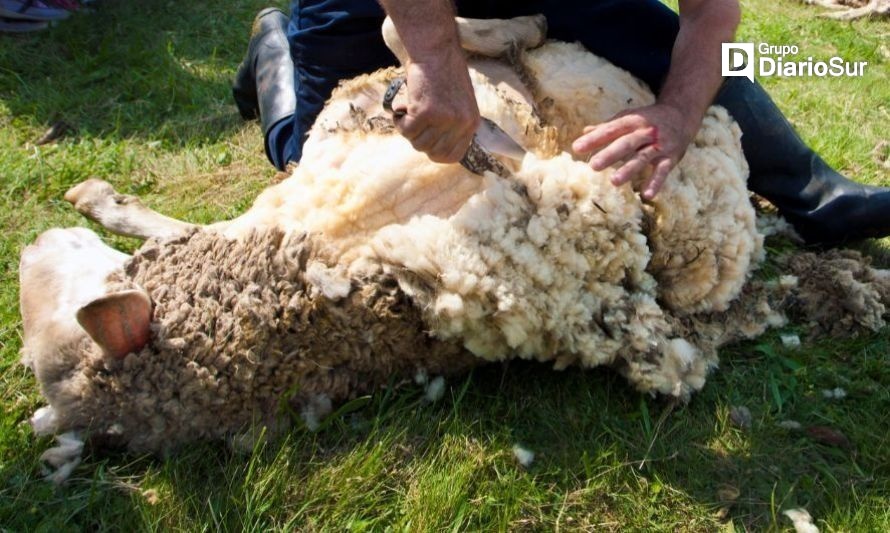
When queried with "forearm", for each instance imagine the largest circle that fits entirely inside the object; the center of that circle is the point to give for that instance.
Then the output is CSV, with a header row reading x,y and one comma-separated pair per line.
x,y
426,27
441,115
695,76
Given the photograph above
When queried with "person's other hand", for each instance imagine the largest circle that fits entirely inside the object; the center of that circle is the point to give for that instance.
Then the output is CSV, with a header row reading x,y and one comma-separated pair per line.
x,y
440,116
655,135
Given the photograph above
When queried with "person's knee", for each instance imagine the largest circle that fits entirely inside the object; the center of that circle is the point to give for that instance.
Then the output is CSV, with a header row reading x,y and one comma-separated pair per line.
x,y
332,40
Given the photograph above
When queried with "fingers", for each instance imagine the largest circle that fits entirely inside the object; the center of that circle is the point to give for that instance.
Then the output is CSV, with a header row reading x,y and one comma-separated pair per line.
x,y
662,166
651,136
442,142
399,105
622,148
448,148
659,175
425,140
409,126
634,166
604,134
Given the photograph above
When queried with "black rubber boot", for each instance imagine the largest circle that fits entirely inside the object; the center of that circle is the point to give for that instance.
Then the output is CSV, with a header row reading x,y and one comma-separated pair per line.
x,y
264,83
823,206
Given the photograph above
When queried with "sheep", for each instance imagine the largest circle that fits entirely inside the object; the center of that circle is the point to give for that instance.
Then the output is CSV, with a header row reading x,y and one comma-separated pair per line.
x,y
371,264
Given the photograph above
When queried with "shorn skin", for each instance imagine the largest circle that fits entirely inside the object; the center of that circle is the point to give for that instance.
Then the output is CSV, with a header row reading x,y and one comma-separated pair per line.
x,y
371,264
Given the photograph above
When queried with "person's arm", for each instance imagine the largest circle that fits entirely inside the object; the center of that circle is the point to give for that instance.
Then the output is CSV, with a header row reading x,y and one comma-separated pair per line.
x,y
659,134
441,112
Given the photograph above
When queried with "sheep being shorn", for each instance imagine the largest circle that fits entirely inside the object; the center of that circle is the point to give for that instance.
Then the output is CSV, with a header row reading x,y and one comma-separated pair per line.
x,y
371,264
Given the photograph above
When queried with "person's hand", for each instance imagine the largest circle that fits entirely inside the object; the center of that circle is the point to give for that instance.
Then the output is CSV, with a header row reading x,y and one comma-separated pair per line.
x,y
656,135
440,115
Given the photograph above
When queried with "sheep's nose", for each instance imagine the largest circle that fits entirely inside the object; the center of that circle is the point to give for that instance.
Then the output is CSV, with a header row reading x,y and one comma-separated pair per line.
x,y
52,244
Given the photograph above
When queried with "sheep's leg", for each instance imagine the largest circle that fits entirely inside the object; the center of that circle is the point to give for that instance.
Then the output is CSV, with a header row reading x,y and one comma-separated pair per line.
x,y
485,37
122,214
497,37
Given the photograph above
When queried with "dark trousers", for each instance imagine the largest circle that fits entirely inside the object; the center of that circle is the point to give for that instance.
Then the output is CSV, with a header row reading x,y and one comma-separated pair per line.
x,y
332,40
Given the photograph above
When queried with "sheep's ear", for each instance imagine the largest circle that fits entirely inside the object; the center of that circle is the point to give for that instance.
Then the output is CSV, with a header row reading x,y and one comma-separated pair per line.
x,y
118,322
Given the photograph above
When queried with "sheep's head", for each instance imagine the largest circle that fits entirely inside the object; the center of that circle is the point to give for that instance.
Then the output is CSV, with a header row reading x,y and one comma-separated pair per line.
x,y
74,320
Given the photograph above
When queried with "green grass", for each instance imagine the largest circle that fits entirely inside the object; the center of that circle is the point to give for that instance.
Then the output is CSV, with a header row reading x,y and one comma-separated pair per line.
x,y
145,84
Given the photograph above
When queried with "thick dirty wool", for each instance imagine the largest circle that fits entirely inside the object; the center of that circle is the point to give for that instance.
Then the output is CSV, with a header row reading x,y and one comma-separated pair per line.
x,y
238,332
840,293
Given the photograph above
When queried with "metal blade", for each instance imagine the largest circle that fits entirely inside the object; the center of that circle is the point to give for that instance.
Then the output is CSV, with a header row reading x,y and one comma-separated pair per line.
x,y
492,138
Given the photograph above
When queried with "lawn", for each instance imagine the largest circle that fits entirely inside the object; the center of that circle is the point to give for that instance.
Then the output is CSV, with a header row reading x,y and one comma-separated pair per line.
x,y
145,88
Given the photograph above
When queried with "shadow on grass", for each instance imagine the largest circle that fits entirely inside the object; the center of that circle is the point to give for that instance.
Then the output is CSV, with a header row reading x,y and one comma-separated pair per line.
x,y
154,69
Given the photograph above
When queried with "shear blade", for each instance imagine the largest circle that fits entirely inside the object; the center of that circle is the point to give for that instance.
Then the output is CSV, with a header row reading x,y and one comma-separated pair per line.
x,y
496,141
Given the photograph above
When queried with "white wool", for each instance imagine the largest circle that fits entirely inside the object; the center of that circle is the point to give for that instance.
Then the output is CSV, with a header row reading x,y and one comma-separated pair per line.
x,y
449,304
352,184
510,296
704,237
435,390
688,366
788,281
247,441
834,394
801,519
43,421
771,223
524,456
349,186
242,443
791,425
790,340
776,319
332,282
881,274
